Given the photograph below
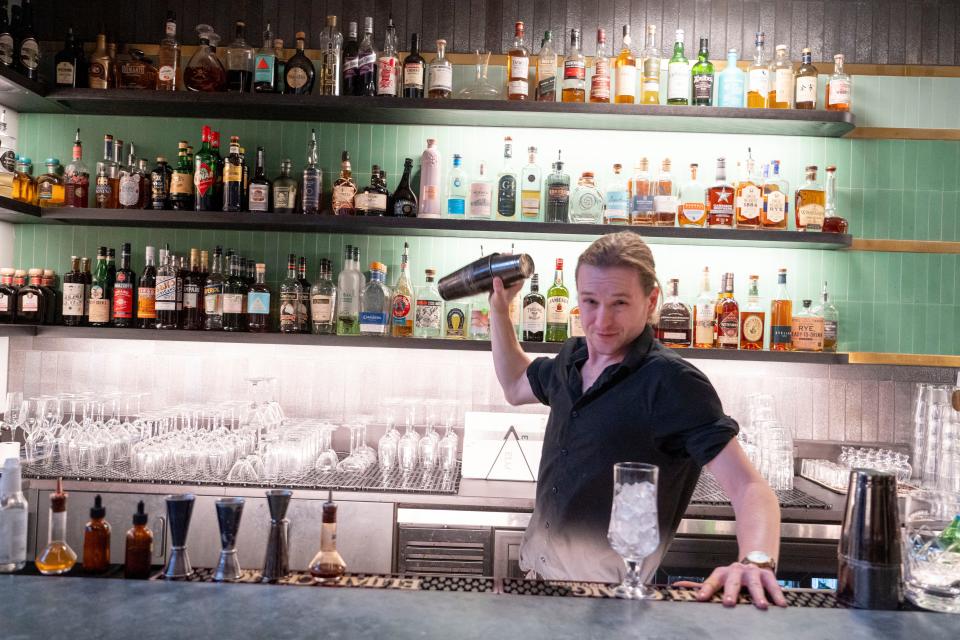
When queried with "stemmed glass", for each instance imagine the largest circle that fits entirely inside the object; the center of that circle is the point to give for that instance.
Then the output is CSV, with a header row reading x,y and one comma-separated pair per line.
x,y
634,531
11,413
408,449
327,460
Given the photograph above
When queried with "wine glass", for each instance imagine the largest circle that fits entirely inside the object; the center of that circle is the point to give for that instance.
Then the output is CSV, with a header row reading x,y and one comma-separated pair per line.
x,y
11,412
327,460
634,531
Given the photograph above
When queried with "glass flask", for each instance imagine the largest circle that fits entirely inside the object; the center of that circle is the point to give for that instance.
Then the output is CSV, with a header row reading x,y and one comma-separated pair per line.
x,y
481,88
204,71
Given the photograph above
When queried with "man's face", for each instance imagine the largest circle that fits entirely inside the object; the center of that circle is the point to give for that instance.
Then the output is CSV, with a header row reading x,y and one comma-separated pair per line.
x,y
613,308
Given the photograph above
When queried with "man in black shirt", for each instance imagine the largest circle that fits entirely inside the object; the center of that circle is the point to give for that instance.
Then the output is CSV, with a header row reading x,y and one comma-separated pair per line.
x,y
618,395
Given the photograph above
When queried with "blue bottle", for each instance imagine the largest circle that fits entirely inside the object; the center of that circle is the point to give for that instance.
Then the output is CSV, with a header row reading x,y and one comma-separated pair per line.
x,y
731,92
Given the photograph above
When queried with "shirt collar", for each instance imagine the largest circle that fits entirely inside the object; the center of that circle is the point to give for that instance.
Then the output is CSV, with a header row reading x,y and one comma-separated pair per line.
x,y
638,350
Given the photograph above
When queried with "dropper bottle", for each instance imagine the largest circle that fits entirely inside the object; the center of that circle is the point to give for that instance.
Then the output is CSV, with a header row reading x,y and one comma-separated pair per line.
x,y
57,557
327,566
96,539
139,551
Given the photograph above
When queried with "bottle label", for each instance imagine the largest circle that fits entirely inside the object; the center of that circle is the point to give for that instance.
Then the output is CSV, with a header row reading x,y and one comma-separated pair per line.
x,y
213,300
759,81
350,66
456,206
728,329
5,302
72,299
289,307
807,89
557,309
232,172
574,73
618,206
806,333
146,303
191,296
98,308
576,324
103,190
507,196
258,197
311,192
297,77
404,208
167,73
455,325
703,87
13,544
784,85
665,204
641,204
534,318
258,303
600,82
479,321
703,328
830,331
181,184
518,87
721,202
547,78
678,81
282,198
45,190
377,203
204,178
779,334
480,199
731,89
387,76
520,70
373,322
129,189
6,49
427,315
558,195
413,75
775,206
263,68
693,212
401,310
751,201
839,92
321,308
753,328
122,298
627,81
343,196
441,78
811,215
165,293
65,73
232,303
588,202
30,54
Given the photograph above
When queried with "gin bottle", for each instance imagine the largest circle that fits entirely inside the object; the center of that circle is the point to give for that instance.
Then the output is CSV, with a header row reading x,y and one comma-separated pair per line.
x,y
586,203
507,184
375,303
530,190
331,43
312,178
457,190
349,286
290,292
323,297
212,294
429,308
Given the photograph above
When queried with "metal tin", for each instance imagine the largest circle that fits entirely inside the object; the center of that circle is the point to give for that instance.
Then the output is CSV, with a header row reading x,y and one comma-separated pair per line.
x,y
477,277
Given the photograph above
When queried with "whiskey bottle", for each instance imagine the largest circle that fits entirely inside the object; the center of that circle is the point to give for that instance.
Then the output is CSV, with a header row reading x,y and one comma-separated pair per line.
x,y
147,293
546,89
213,294
805,86
312,183
169,56
56,557
810,203
303,309
351,50
558,194
235,291
193,291
703,77
518,67
675,326
780,95
839,89
181,181
507,184
600,81
831,320
98,305
323,301
558,303
299,74
749,198
832,223
372,199
720,199
626,67
574,71
28,54
258,302
534,319
136,71
388,64
617,209
73,294
258,193
728,317
758,75
427,319
414,70
285,189
233,178
678,74
692,210
404,199
440,74
328,565
781,315
124,291
776,200
650,78
642,194
752,319
331,44
806,332
664,202
68,63
403,315
239,61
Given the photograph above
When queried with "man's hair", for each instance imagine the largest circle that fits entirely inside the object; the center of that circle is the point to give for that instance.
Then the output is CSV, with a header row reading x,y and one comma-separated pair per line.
x,y
624,249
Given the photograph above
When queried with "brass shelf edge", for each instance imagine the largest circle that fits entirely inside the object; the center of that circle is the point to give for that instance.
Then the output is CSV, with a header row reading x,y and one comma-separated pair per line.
x,y
905,246
904,359
902,133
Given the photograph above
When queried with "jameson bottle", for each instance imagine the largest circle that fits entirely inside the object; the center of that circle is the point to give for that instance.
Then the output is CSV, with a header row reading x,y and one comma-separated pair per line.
x,y
205,174
558,311
146,293
124,289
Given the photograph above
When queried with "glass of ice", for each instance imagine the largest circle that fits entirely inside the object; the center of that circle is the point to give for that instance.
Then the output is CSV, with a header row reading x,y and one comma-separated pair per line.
x,y
634,532
931,550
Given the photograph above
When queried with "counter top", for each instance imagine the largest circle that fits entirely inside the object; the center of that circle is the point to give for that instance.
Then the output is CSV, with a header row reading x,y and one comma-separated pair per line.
x,y
158,610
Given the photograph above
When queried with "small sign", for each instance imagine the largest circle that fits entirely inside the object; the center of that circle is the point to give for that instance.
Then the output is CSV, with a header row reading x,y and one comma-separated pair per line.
x,y
502,446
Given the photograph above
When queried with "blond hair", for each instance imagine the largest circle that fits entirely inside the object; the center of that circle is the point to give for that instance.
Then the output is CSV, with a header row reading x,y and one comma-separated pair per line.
x,y
624,249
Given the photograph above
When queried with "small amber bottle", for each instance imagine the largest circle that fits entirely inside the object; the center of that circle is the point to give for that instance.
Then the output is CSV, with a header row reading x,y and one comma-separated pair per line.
x,y
96,540
139,547
57,557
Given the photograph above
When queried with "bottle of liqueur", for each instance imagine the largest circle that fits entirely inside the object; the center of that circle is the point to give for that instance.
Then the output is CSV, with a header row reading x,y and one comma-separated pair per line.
x,y
481,196
805,82
98,306
233,178
181,181
29,47
193,291
403,308
68,64
138,551
758,89
586,202
558,301
731,83
130,182
372,199
213,294
351,49
831,320
56,557
780,95
720,199
53,302
328,565
96,540
574,71
265,65
664,201
147,293
617,210
728,317
124,291
414,70
781,315
350,285
8,297
749,198
642,195
24,186
389,82
678,74
457,190
234,301
165,293
600,81
240,67
518,67
404,199
312,178
650,74
702,72
810,203
204,71
258,302
108,178
137,71
290,292
76,178
14,512
440,74
218,184
100,65
429,308
205,173
832,222
558,194
692,211
776,200
675,326
285,189
838,93
323,300
159,182
626,71
331,45
303,311
429,204
507,184
299,72
73,297
752,319
375,307
258,192
530,188
366,82
546,90
534,313
169,55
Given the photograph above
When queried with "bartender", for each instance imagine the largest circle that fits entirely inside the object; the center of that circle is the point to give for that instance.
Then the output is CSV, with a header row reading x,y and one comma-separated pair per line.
x,y
619,395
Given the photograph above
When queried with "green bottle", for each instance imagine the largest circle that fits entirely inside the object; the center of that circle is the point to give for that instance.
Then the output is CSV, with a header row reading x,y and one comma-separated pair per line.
x,y
678,74
99,303
558,307
951,535
703,77
205,174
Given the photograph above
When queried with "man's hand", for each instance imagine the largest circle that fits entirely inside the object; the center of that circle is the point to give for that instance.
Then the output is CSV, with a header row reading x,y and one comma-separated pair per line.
x,y
501,297
759,582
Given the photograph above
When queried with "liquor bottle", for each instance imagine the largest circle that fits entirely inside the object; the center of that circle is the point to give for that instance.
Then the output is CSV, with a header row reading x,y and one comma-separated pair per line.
x,y
8,298
455,319
73,296
258,302
130,182
692,211
108,178
507,184
780,94
414,68
586,201
351,50
233,178
675,326
457,190
558,194
323,301
56,557
805,83
728,317
181,181
759,76
258,191
285,189
375,308
388,64
600,81
169,55
720,199
24,186
124,290
440,74
14,512
479,317
239,58
404,199
558,300
204,71
138,550
749,198
481,197
650,74
76,178
137,71
678,74
48,283
28,55
702,72
350,286
832,223
403,306
664,202
429,203
299,74
67,63
312,183
303,309
205,173
234,303
7,32
331,44
642,193
328,565
776,200
194,283
781,315
213,294
806,330
731,89
752,319
30,299
366,84
575,71
534,314
429,307
838,96
265,65
530,188
372,200
280,67
96,539
158,181
147,293
626,65
518,66
546,90
704,315
165,292
810,203
831,320
99,302
50,186
617,209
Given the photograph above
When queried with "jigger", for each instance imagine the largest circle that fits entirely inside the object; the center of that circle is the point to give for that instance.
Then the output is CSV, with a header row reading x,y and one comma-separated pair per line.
x,y
229,511
276,564
179,510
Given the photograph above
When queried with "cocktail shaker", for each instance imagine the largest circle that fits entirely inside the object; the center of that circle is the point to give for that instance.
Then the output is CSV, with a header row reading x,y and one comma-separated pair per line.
x,y
478,276
869,574
179,510
229,511
276,563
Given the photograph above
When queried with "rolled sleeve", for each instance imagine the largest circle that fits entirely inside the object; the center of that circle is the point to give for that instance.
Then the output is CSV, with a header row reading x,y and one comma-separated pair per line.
x,y
540,373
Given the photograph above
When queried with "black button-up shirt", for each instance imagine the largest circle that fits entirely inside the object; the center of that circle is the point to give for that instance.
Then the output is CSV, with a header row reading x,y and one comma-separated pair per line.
x,y
652,407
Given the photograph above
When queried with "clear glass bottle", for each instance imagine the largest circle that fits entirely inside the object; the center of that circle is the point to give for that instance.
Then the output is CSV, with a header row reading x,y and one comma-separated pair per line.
x,y
531,188
810,203
557,207
258,302
456,319
168,63
805,83
758,88
290,294
806,331
56,557
331,46
285,189
204,71
678,74
108,178
642,192
312,183
506,207
427,322
617,209
350,285
402,306
574,70
323,301
704,315
265,64
457,189
776,200
546,90
328,565
832,223
839,91
77,178
730,92
344,189
664,200
480,317
692,210
831,320
440,74
131,181
481,197
366,80
50,188
14,513
388,65
780,93
213,294
239,61
650,80
675,324
375,303
600,80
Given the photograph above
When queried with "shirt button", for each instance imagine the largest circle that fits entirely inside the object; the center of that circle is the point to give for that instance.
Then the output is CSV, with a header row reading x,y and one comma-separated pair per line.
x,y
554,490
575,414
546,525
563,452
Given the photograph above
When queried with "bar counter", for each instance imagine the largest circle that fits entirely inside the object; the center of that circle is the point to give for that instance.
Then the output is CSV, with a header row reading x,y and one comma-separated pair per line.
x,y
48,607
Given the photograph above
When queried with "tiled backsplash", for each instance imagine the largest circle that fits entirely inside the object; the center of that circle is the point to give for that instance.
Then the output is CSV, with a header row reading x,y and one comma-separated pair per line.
x,y
853,403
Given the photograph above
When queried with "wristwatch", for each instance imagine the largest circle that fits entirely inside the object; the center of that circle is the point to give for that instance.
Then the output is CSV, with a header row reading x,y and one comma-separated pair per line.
x,y
760,559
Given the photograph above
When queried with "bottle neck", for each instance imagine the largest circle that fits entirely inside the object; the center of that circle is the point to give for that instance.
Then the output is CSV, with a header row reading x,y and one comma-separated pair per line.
x,y
58,527
261,276
328,536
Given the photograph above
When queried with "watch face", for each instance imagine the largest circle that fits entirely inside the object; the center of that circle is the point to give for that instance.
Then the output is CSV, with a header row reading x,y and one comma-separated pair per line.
x,y
758,557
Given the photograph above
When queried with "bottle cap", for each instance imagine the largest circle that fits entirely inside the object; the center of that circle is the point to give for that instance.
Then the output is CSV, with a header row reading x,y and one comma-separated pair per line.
x,y
140,517
378,266
98,511
35,272
48,273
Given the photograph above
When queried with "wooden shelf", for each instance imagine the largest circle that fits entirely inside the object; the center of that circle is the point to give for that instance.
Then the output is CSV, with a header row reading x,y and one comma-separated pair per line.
x,y
18,212
24,95
483,113
438,227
